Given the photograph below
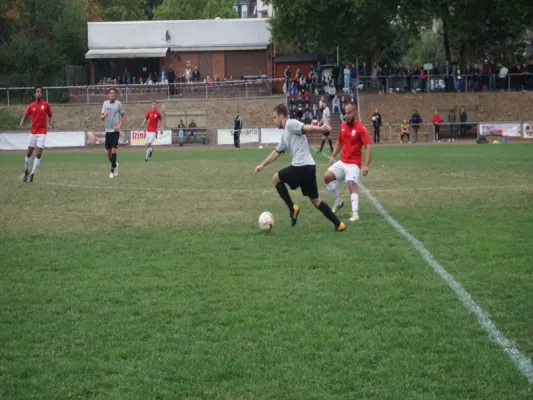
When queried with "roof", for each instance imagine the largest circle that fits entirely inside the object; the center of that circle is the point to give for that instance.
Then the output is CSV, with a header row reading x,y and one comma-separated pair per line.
x,y
190,35
156,52
297,58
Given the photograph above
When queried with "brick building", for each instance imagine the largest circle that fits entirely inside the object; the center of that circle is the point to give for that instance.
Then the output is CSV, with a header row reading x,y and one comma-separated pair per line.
x,y
223,47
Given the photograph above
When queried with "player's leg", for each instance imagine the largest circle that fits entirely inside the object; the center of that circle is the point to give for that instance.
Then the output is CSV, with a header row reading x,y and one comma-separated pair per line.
x,y
108,148
332,177
148,145
322,143
377,135
27,158
330,142
37,159
287,176
310,189
352,174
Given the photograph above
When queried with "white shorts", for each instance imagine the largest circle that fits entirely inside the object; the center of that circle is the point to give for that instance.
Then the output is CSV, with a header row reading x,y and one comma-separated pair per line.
x,y
348,172
37,141
150,137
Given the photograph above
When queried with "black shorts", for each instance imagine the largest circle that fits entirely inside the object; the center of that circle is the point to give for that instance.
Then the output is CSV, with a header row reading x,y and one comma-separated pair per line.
x,y
303,177
111,140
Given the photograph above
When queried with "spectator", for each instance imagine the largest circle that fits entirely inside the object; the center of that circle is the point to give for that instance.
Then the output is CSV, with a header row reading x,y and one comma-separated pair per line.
x,y
435,76
463,118
437,120
171,76
448,76
452,119
126,77
469,73
346,78
308,115
353,76
315,112
237,127
503,77
188,74
192,131
415,122
336,104
196,75
422,79
181,129
404,131
293,89
376,125
335,72
458,79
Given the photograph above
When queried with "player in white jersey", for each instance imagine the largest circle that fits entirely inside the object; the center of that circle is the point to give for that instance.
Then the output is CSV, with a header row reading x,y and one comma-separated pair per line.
x,y
114,116
302,171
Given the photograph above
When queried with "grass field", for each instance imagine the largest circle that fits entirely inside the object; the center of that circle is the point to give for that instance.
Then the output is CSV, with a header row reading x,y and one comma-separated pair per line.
x,y
159,284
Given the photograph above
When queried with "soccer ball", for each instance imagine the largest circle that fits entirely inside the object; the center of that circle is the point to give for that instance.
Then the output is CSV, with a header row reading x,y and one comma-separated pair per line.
x,y
266,221
374,118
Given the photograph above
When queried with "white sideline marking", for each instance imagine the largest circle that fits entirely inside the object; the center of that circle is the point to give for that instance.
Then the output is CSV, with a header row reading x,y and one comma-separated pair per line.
x,y
521,361
184,189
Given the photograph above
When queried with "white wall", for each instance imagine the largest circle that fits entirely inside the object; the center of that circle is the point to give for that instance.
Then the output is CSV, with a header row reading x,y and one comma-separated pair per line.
x,y
188,34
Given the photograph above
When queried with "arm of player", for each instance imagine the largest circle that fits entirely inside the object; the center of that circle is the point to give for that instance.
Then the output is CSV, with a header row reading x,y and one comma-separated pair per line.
x,y
103,113
336,151
24,117
144,122
368,158
122,118
315,129
269,160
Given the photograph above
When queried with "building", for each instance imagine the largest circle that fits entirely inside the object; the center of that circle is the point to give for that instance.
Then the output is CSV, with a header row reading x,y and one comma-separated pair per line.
x,y
223,47
253,9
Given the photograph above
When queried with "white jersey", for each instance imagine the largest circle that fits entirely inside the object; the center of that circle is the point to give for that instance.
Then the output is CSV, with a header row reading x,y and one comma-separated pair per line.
x,y
295,142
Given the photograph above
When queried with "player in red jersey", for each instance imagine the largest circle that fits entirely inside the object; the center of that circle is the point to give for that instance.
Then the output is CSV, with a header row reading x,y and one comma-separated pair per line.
x,y
153,116
41,114
352,138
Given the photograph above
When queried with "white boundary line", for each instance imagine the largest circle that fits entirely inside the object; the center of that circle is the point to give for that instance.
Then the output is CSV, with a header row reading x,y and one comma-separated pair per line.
x,y
522,362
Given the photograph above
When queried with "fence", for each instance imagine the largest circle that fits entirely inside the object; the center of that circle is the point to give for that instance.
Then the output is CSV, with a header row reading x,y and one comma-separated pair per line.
x,y
136,93
439,83
451,131
390,133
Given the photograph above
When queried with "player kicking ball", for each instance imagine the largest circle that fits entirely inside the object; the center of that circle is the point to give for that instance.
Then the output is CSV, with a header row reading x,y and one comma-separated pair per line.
x,y
352,138
41,114
302,171
114,116
153,116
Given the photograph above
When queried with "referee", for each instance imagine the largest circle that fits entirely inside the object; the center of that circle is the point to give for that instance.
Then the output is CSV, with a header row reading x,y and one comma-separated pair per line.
x,y
237,126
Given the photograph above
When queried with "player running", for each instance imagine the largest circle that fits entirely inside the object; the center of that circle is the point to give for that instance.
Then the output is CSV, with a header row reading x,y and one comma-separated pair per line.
x,y
114,116
302,172
41,114
153,116
352,137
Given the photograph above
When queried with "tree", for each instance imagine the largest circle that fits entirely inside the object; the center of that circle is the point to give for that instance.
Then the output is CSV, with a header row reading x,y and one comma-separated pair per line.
x,y
123,10
359,28
180,10
151,5
219,8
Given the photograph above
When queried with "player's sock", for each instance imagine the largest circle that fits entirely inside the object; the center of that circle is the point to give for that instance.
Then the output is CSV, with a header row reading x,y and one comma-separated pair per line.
x,y
322,145
147,153
27,161
114,160
355,203
36,163
330,145
333,189
284,194
151,149
328,213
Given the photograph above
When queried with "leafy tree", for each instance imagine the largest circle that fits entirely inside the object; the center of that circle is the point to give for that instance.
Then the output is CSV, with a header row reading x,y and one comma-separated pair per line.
x,y
180,9
123,10
219,8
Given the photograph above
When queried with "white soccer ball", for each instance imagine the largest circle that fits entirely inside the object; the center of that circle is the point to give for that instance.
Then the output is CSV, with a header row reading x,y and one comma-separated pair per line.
x,y
260,147
374,118
266,221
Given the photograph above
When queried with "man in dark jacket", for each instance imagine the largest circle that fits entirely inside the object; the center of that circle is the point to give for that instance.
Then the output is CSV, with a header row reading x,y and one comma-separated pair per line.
x,y
463,118
376,125
237,126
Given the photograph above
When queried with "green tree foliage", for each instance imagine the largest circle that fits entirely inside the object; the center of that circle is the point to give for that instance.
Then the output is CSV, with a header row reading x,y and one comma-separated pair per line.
x,y
123,10
180,9
219,8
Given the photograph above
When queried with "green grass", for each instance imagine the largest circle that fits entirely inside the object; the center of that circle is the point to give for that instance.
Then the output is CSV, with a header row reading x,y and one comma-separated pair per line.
x,y
159,284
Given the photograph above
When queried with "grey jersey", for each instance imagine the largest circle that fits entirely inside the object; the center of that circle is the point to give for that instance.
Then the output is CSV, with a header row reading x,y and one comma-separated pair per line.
x,y
325,116
114,111
295,142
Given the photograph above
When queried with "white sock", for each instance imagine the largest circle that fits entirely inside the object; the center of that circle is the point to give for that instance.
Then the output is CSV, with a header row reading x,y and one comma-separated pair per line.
x,y
27,163
332,188
36,163
148,151
355,203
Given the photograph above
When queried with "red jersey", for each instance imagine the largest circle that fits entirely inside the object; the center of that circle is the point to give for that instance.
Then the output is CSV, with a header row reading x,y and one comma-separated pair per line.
x,y
153,118
39,112
352,139
436,119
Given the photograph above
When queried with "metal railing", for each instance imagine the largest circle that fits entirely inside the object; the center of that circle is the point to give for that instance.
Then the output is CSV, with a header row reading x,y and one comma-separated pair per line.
x,y
433,83
95,94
